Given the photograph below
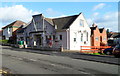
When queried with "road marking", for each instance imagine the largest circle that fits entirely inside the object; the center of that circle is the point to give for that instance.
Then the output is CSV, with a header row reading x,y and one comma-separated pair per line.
x,y
53,64
1,71
20,58
54,52
33,60
85,72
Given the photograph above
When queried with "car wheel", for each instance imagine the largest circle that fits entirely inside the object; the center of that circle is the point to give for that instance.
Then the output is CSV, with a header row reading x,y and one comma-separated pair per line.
x,y
108,53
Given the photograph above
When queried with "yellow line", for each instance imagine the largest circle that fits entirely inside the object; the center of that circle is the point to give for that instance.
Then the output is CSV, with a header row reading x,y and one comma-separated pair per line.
x,y
4,72
1,71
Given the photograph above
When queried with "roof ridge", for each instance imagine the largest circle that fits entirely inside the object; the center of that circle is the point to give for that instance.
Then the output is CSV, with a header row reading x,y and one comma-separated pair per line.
x,y
65,17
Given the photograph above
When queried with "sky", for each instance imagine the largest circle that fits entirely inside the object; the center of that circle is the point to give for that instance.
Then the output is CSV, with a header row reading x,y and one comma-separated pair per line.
x,y
104,14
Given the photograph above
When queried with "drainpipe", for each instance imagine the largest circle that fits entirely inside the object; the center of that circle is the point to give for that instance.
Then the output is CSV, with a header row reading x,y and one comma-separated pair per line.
x,y
43,32
67,39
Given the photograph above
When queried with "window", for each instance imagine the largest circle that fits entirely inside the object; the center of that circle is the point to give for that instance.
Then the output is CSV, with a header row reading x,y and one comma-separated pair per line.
x,y
75,36
81,22
74,39
55,26
81,37
104,39
46,37
87,36
96,38
50,37
53,37
8,30
60,37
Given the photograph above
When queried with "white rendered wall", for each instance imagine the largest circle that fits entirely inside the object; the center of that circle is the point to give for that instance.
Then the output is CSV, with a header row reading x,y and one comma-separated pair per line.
x,y
75,32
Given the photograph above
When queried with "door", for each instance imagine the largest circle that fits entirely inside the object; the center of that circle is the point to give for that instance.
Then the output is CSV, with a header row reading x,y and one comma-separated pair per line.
x,y
39,40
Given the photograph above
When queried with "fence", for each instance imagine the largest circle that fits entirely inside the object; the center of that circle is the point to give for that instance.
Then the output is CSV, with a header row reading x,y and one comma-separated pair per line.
x,y
93,49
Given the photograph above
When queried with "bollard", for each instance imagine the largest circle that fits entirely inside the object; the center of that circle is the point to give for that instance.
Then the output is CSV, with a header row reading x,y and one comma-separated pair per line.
x,y
61,48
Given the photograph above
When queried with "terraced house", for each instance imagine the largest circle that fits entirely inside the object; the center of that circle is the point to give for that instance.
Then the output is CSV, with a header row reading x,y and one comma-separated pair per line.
x,y
71,32
9,31
98,36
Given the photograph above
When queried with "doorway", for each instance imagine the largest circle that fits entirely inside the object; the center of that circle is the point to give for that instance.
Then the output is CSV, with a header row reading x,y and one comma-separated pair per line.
x,y
38,40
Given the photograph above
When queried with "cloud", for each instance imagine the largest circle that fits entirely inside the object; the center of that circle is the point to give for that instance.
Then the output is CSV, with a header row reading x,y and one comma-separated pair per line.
x,y
108,20
110,16
90,21
99,6
52,13
95,14
16,12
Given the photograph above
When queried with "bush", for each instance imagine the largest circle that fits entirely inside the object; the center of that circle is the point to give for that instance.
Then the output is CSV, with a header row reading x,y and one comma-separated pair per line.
x,y
3,41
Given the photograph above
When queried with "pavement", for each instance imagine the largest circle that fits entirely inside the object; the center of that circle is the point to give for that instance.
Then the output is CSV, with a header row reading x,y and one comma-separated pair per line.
x,y
23,61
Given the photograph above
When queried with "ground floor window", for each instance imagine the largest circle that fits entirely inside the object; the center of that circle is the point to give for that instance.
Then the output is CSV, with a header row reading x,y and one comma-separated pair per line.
x,y
74,39
81,36
53,37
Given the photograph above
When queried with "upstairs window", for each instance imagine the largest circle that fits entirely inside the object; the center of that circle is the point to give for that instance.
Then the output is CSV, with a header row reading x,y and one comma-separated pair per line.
x,y
81,22
96,38
104,38
60,37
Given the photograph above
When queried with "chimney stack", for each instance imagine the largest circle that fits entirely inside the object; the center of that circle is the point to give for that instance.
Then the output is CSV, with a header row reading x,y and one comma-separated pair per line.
x,y
94,25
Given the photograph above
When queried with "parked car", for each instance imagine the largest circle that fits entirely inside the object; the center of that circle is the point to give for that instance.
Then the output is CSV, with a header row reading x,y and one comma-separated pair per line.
x,y
108,51
116,51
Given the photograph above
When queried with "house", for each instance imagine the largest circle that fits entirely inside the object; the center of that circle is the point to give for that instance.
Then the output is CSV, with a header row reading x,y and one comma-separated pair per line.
x,y
0,34
113,38
9,31
69,32
98,36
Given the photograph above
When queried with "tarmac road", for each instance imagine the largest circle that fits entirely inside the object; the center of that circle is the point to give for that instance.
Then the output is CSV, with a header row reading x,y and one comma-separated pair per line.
x,y
21,62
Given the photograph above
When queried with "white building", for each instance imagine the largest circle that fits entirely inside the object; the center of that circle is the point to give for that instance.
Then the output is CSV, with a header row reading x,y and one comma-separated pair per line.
x,y
71,32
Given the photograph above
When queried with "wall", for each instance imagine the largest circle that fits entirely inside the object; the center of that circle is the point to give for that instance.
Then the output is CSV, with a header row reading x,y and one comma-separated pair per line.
x,y
96,34
64,40
104,37
75,28
7,32
39,27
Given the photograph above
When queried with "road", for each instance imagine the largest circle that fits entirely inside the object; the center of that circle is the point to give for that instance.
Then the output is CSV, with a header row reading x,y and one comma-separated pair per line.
x,y
22,62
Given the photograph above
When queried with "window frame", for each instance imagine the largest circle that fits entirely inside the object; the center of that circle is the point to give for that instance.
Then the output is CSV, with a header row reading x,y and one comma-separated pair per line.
x,y
81,22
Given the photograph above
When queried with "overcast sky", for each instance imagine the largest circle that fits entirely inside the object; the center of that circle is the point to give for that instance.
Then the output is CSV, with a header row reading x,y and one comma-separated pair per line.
x,y
104,14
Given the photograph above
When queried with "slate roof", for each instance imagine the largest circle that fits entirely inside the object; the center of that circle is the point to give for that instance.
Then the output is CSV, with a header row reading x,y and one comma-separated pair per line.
x,y
115,35
101,30
64,22
22,28
49,20
92,29
37,15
